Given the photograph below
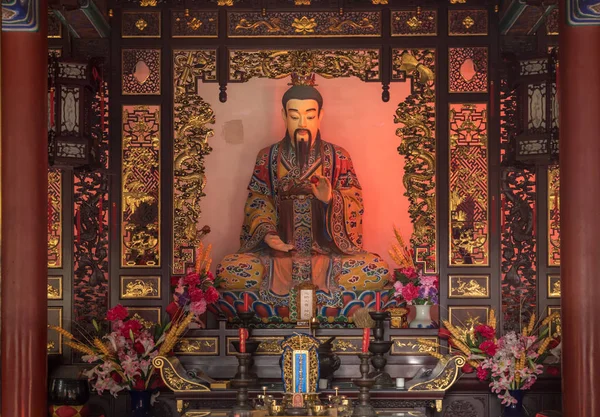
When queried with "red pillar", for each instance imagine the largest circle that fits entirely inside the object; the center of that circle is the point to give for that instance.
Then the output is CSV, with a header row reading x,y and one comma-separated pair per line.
x,y
579,52
24,159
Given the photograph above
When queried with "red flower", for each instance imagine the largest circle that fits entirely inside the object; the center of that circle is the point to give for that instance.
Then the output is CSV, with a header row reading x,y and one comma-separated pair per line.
x,y
553,371
212,295
444,333
116,377
554,343
174,311
488,347
196,294
139,348
118,312
139,384
467,369
482,374
210,276
410,292
133,325
192,279
174,281
409,273
486,331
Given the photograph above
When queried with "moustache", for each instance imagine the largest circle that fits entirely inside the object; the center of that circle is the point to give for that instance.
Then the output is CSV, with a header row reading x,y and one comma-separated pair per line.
x,y
298,132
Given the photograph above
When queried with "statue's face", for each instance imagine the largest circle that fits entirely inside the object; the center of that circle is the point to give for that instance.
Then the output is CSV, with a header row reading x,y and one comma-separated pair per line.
x,y
302,117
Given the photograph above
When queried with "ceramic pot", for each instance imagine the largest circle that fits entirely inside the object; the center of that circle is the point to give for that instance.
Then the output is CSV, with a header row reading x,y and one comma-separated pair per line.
x,y
423,318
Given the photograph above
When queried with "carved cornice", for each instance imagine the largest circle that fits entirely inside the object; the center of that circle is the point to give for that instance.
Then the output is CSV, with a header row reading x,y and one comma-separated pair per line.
x,y
328,63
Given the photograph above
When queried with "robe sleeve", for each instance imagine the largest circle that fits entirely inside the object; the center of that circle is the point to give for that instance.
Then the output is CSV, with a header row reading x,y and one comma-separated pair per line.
x,y
345,211
260,216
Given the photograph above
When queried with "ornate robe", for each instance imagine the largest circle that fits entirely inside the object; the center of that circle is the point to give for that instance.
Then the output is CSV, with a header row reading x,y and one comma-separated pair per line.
x,y
281,201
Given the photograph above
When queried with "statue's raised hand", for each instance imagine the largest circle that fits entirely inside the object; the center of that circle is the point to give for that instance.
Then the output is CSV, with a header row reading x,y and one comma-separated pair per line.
x,y
321,188
276,243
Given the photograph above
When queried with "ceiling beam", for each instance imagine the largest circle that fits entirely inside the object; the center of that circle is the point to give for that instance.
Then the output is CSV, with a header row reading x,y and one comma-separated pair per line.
x,y
514,11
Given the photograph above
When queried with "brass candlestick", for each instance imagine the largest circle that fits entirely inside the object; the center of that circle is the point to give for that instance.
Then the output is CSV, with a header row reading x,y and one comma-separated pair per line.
x,y
364,407
247,318
379,317
241,382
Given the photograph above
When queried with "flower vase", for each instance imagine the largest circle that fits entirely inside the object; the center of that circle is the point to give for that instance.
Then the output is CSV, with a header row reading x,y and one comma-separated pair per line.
x,y
140,403
422,319
516,409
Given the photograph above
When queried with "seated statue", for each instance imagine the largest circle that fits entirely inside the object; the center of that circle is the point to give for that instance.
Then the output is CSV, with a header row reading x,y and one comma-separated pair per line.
x,y
303,215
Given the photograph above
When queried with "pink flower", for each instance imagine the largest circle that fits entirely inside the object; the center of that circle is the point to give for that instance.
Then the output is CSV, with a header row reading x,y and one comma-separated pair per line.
x,y
398,288
210,276
211,295
118,312
486,331
410,292
482,373
489,347
409,273
198,307
428,281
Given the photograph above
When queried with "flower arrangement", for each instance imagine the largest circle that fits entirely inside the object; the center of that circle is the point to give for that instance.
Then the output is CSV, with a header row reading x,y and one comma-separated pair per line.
x,y
124,356
411,285
197,289
512,362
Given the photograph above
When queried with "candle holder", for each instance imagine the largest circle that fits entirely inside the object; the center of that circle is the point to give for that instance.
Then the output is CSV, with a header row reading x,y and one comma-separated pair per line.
x,y
379,348
241,382
364,407
379,317
247,318
251,348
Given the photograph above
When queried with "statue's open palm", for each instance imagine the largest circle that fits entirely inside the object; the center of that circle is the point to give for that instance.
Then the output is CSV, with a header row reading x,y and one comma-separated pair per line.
x,y
276,243
321,188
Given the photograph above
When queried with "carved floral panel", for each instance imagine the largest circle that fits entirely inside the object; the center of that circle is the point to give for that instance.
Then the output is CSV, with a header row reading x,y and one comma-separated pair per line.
x,y
467,22
469,286
140,287
553,216
141,71
55,221
468,70
414,22
136,24
469,225
303,24
194,24
140,195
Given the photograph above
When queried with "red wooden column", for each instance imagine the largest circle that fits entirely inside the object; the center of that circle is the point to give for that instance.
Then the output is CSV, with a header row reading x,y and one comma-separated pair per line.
x,y
579,86
24,159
